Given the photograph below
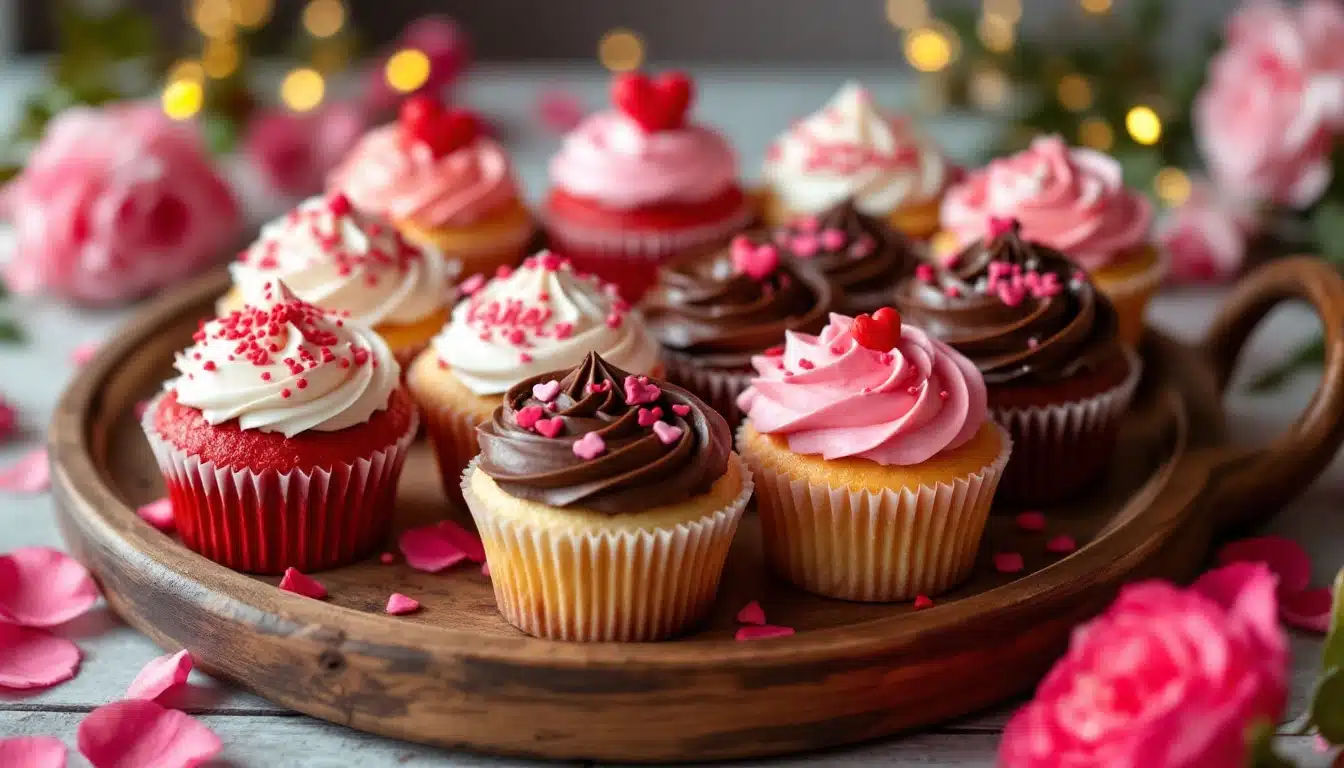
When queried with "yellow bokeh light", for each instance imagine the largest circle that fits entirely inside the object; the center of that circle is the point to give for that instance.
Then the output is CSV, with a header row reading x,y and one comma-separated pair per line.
x,y
407,70
302,89
989,88
1011,10
324,18
250,13
1074,93
219,58
620,50
331,54
213,18
182,99
1143,125
995,32
907,14
1096,133
1096,6
931,48
1172,186
186,69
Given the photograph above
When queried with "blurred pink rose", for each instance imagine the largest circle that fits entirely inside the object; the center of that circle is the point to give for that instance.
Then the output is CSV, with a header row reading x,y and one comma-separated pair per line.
x,y
1206,236
293,152
115,203
1166,678
1274,95
449,52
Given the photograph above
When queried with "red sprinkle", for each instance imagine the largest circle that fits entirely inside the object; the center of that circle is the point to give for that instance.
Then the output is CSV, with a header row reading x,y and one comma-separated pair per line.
x,y
285,393
1008,562
774,352
805,364
1062,544
209,365
302,384
922,602
1031,521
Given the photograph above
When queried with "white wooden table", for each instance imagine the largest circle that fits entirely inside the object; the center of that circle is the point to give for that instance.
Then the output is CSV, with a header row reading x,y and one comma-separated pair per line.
x,y
751,106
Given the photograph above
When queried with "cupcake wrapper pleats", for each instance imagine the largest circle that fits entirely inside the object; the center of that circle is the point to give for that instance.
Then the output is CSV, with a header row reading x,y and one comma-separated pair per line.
x,y
452,434
719,389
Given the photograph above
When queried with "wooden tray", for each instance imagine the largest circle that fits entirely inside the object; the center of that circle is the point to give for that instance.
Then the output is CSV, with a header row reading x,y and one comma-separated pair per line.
x,y
456,675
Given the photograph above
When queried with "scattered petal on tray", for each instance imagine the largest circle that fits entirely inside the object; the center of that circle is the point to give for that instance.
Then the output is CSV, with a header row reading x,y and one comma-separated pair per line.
x,y
35,658
30,474
42,587
136,733
159,675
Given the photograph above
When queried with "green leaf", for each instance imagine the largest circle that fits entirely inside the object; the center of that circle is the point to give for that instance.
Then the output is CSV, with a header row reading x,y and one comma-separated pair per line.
x,y
220,131
1327,223
1333,657
1311,353
11,332
1260,738
1327,706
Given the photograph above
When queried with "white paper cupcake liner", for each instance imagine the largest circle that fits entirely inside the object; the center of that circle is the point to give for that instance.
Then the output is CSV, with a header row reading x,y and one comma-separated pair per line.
x,y
267,521
719,389
873,546
452,435
651,244
562,583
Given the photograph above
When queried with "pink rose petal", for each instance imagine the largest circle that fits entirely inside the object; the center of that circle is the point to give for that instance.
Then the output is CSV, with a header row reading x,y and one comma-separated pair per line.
x,y
465,540
141,734
762,632
41,587
83,353
35,658
427,549
302,584
399,604
30,474
1308,609
1284,557
752,613
1031,521
159,675
1061,544
158,514
1008,562
33,752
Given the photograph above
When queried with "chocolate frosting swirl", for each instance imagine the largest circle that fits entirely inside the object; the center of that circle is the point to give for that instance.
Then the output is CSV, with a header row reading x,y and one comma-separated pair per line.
x,y
704,308
1022,312
639,467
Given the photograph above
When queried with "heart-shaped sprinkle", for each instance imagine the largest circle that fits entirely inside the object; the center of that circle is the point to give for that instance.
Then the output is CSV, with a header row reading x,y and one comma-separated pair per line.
x,y
547,391
647,417
302,584
444,130
639,390
528,416
550,427
804,246
400,605
1000,226
832,239
655,104
590,446
752,613
667,433
598,387
681,410
924,273
1031,521
755,261
922,602
879,331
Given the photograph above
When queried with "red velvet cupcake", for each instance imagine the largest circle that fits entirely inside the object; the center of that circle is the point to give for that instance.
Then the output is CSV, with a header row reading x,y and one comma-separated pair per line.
x,y
282,441
637,185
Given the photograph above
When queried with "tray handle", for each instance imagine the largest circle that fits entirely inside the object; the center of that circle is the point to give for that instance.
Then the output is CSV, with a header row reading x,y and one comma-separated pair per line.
x,y
1252,487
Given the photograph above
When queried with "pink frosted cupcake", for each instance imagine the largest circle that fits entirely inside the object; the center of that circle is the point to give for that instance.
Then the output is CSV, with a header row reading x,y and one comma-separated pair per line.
x,y
639,184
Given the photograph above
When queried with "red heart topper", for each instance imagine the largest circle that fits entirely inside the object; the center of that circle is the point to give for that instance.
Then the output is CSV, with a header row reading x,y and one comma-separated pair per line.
x,y
879,331
443,130
657,104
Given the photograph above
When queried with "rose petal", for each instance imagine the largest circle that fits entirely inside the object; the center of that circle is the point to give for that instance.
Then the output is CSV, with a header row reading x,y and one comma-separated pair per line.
x,y
1285,558
158,514
1008,562
41,587
33,752
427,549
1308,609
1031,521
159,675
922,602
30,474
399,604
35,658
302,584
762,632
141,734
83,353
751,613
465,540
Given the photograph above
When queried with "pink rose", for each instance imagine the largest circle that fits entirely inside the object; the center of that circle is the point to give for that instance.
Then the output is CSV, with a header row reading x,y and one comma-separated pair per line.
x,y
113,204
1264,118
1206,236
1072,200
293,152
1166,678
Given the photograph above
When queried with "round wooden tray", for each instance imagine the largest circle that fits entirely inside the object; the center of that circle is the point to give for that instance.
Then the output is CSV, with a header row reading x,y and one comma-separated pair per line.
x,y
455,674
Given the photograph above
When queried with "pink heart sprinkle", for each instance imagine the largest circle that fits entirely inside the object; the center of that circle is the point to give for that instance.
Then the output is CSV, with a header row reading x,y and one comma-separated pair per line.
x,y
44,587
598,387
681,410
832,239
427,549
763,632
35,658
463,539
550,427
646,417
472,284
33,752
1008,562
1308,609
400,605
159,675
924,273
1000,226
667,433
83,353
922,602
1031,521
302,584
804,246
547,391
564,330
136,732
1061,544
752,613
1011,295
1284,557
528,416
29,475
755,261
639,390
590,446
158,514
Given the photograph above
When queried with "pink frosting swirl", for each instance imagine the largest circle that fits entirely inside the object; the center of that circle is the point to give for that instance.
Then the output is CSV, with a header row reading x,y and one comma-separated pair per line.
x,y
608,158
828,395
1072,200
404,181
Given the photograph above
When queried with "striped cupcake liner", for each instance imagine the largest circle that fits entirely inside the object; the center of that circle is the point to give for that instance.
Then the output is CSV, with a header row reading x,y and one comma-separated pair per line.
x,y
719,389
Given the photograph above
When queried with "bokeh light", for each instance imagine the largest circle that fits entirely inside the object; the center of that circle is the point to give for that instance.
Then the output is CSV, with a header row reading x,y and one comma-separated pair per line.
x,y
213,18
1096,133
1172,186
907,14
302,89
1009,10
219,58
932,48
620,50
1143,125
989,88
250,13
1074,92
182,99
324,18
407,70
995,32
186,69
1096,6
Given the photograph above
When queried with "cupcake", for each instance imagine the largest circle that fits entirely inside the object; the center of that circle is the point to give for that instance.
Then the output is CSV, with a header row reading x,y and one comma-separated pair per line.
x,y
541,317
348,261
1049,347
444,183
1074,201
852,150
638,184
874,459
282,440
606,502
713,313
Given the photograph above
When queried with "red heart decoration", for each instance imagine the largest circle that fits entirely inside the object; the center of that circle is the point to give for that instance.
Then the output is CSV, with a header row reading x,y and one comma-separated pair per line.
x,y
879,331
657,104
443,130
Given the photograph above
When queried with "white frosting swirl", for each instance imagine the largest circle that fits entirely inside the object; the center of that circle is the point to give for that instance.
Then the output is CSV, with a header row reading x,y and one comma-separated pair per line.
x,y
283,365
541,317
850,149
349,261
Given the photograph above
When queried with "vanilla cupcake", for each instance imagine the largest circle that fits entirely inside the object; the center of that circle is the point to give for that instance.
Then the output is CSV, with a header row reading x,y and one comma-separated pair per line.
x,y
852,150
348,261
607,503
541,317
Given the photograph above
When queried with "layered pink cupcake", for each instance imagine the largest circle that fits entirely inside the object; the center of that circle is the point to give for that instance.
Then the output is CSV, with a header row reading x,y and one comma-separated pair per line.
x,y
639,184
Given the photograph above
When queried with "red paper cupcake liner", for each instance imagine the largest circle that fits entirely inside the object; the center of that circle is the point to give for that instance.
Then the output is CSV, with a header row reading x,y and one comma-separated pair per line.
x,y
267,521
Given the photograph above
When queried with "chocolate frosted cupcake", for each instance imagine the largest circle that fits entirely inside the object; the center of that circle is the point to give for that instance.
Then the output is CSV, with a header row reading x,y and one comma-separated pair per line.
x,y
1048,345
712,314
607,503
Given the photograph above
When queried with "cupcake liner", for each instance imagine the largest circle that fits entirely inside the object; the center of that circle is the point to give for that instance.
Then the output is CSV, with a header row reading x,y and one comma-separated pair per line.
x,y
719,389
643,245
1063,448
452,435
1131,295
873,546
560,583
267,521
